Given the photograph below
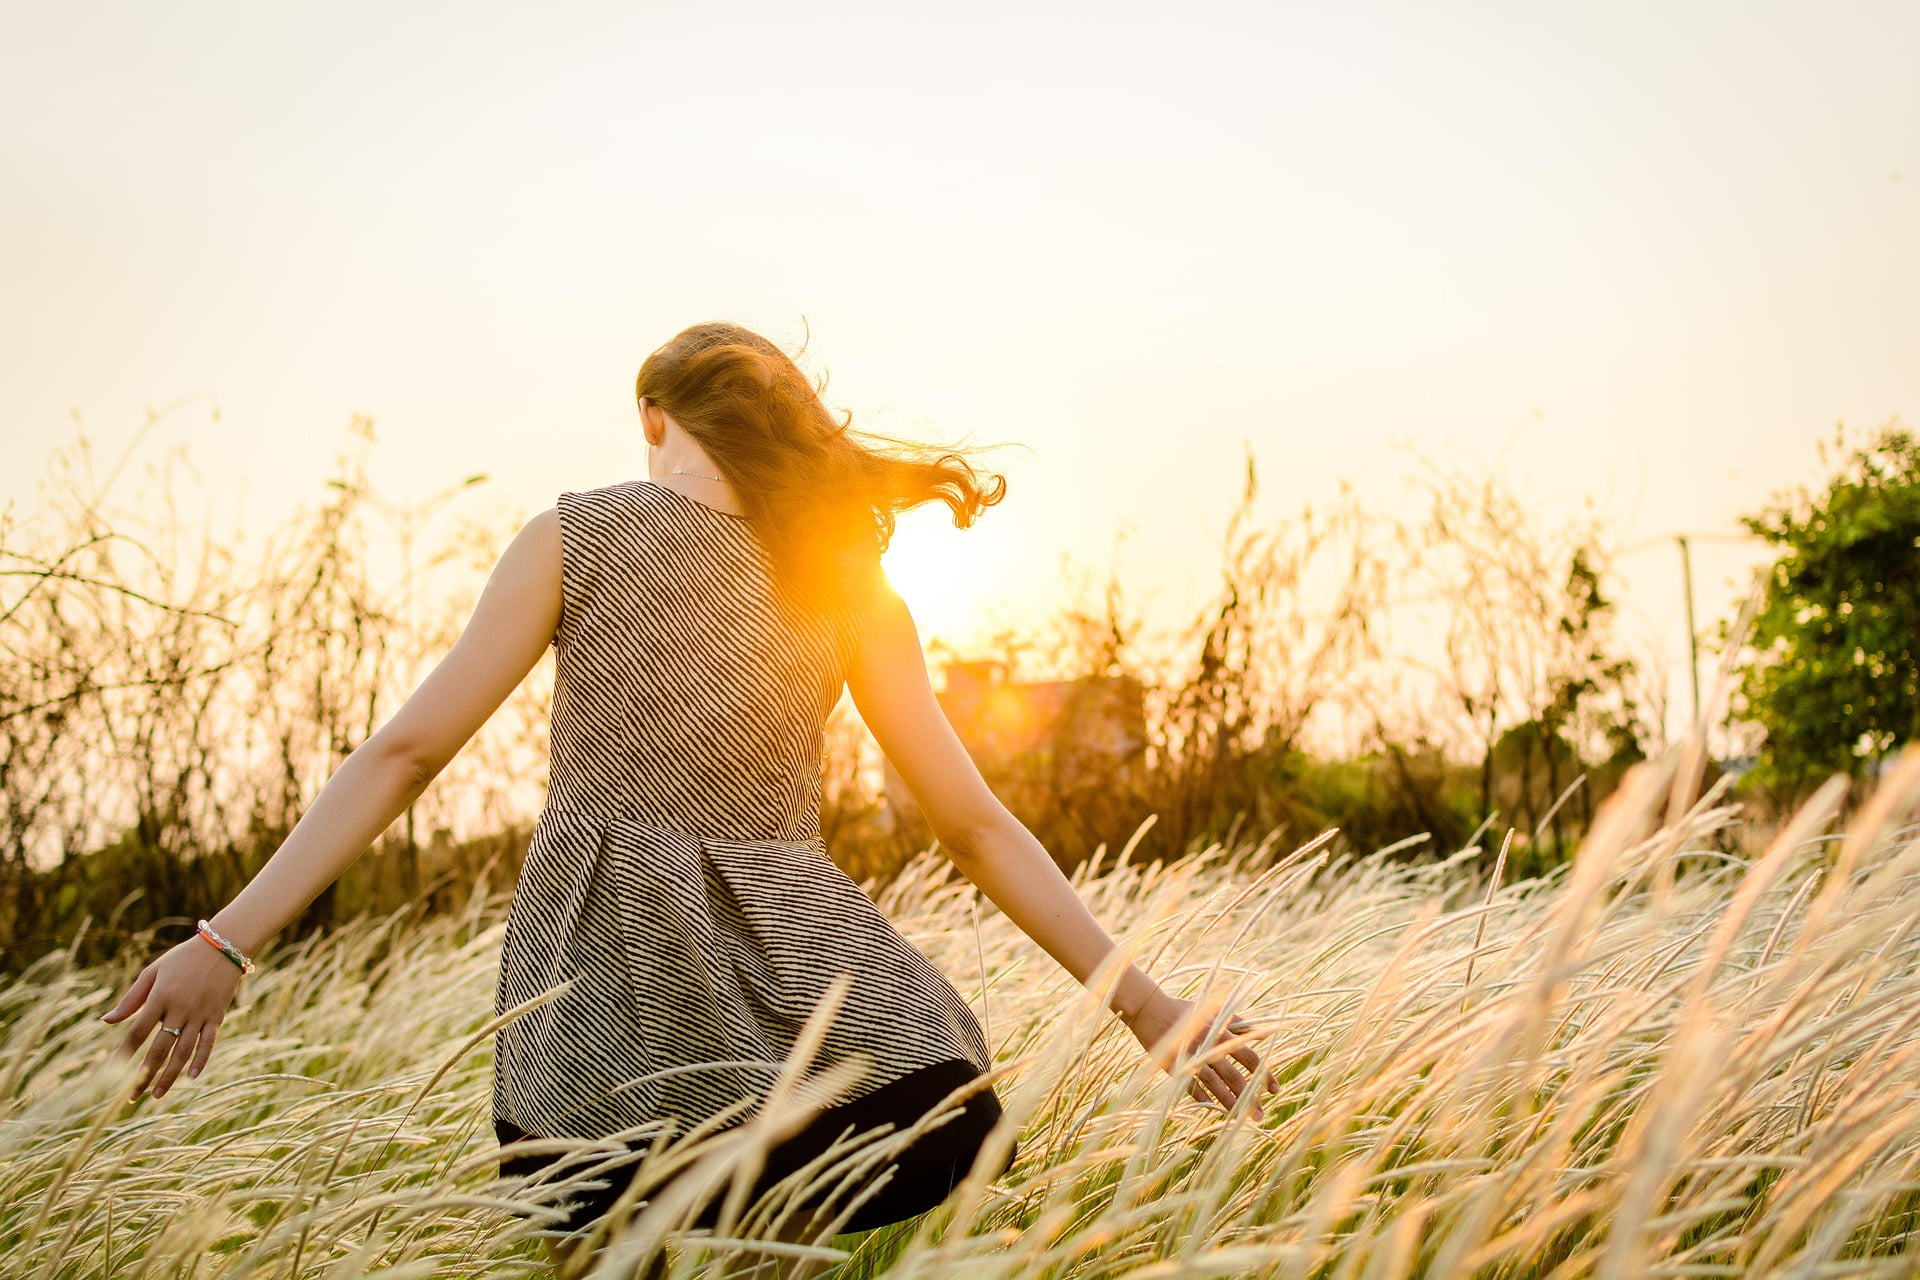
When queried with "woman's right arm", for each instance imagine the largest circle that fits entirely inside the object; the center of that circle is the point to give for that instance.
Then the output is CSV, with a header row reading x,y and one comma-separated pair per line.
x,y
187,989
991,847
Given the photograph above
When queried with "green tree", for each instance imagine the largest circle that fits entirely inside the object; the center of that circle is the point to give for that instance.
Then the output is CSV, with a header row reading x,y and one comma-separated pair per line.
x,y
1835,679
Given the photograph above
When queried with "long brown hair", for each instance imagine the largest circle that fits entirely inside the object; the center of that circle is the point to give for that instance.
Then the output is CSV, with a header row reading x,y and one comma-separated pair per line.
x,y
821,496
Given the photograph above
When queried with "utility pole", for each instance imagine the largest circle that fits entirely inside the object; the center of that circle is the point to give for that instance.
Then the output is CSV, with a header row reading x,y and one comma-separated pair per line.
x,y
1693,643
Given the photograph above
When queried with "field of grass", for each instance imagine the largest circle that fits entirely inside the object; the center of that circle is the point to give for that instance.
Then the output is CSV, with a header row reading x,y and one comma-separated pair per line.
x,y
1657,1061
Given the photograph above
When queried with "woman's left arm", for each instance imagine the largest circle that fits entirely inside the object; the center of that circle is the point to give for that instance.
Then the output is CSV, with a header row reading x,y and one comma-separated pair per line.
x,y
190,986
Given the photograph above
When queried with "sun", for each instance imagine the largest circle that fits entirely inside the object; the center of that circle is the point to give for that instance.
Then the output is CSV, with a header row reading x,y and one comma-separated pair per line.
x,y
940,571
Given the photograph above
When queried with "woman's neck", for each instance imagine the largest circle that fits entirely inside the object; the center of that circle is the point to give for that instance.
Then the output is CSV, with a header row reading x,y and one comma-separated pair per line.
x,y
694,474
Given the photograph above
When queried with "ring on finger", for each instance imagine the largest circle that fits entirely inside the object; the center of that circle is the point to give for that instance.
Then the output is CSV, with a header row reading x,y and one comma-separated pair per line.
x,y
173,1031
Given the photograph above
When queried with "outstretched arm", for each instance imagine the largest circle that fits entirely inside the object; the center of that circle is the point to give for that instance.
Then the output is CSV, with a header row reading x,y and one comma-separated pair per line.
x,y
191,985
991,847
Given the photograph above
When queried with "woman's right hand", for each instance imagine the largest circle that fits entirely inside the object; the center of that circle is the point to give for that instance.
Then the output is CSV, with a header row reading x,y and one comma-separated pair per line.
x,y
1154,1024
187,987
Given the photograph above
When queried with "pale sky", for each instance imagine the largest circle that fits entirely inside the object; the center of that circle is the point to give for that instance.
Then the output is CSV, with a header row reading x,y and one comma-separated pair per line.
x,y
1644,252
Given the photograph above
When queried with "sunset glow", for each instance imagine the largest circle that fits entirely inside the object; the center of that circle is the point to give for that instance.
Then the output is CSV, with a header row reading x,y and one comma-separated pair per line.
x,y
1640,253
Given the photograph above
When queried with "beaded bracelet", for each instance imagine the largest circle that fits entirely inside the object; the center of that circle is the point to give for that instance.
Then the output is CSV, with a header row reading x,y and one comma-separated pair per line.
x,y
226,948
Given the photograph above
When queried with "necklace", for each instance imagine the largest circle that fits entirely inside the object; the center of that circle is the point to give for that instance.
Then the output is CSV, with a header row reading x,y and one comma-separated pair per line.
x,y
696,475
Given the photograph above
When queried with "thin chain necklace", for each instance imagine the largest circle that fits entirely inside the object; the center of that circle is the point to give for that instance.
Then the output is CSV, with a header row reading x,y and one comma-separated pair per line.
x,y
735,514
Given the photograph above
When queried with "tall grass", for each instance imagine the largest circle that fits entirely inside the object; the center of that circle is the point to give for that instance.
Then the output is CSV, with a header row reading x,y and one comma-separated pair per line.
x,y
1657,1060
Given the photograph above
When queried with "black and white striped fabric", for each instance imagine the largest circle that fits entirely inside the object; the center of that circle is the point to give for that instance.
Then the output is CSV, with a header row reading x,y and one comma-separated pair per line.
x,y
677,876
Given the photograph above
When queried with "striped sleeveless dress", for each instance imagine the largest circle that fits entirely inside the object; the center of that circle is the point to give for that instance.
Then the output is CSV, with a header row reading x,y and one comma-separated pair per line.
x,y
676,875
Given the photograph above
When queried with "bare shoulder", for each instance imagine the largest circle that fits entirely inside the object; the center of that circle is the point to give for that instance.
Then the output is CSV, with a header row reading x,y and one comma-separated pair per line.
x,y
884,623
538,548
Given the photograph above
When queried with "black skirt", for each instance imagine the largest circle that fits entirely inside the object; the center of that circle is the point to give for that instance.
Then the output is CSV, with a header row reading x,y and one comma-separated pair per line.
x,y
924,1174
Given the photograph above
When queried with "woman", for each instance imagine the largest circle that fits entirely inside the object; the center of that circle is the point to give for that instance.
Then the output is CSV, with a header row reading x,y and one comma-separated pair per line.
x,y
704,623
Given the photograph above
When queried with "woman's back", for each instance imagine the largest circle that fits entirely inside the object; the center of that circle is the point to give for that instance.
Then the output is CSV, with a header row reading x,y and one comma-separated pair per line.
x,y
685,691
676,876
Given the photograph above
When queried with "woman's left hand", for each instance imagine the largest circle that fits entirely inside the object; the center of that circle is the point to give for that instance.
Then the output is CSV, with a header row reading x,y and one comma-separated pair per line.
x,y
186,989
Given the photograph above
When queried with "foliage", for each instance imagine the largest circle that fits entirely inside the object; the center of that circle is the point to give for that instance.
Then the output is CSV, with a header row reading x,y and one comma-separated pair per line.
x,y
1513,665
1835,676
1268,652
173,699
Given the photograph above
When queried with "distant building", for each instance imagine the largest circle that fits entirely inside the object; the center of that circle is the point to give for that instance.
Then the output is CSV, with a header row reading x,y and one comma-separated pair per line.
x,y
1038,742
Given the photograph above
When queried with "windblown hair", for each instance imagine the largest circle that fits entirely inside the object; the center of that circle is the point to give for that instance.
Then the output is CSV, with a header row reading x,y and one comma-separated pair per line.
x,y
821,496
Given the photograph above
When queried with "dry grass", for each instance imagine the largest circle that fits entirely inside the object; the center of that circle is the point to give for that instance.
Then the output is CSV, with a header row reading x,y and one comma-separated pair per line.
x,y
1655,1061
